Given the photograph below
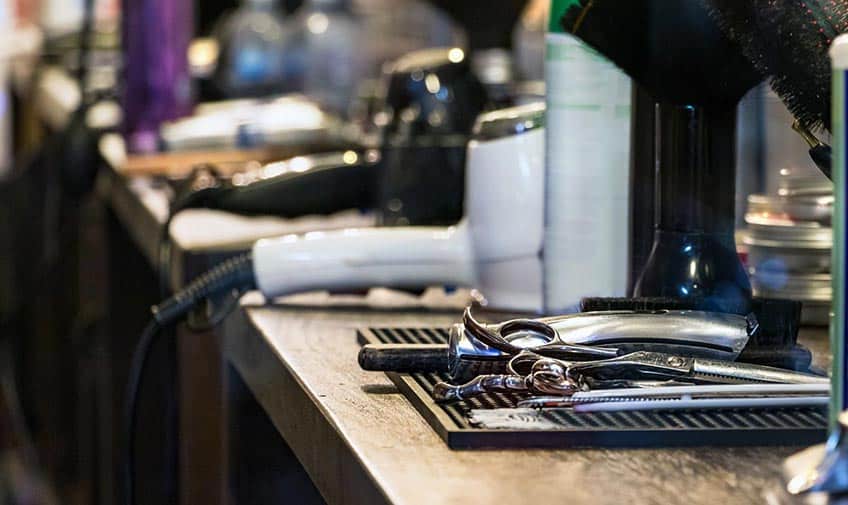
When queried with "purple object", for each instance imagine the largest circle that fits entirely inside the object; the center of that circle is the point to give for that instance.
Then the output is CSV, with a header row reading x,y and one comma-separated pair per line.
x,y
157,85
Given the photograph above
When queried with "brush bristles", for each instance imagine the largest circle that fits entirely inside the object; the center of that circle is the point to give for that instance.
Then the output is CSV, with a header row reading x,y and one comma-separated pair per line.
x,y
788,41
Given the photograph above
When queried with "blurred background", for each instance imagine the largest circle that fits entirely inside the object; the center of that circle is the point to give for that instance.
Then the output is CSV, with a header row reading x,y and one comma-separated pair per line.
x,y
157,91
74,71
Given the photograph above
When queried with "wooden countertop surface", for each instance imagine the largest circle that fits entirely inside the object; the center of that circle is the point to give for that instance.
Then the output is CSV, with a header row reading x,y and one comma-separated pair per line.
x,y
362,442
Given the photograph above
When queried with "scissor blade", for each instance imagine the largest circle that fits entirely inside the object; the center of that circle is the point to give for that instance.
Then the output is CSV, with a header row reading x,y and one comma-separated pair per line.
x,y
721,371
714,334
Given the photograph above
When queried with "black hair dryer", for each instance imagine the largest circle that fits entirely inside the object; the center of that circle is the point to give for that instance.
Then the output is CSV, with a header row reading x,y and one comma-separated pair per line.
x,y
696,76
432,99
414,175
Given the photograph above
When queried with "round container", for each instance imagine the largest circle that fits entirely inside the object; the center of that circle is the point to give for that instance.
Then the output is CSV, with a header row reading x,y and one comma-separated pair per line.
x,y
817,208
804,185
780,245
809,261
789,234
772,231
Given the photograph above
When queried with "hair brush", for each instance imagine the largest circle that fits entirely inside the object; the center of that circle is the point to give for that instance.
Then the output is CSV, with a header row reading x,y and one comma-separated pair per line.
x,y
787,41
671,47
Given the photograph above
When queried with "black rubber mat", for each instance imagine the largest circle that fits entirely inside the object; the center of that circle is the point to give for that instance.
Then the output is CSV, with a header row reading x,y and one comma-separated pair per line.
x,y
564,428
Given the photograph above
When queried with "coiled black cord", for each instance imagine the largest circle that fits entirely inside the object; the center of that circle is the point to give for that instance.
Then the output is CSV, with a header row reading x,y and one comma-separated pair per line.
x,y
201,191
234,274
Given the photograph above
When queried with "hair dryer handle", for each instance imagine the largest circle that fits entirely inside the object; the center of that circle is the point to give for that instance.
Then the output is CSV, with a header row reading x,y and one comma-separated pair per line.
x,y
353,259
319,190
405,358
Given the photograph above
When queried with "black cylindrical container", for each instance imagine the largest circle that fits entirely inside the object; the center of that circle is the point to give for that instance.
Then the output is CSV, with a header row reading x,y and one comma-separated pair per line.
x,y
697,163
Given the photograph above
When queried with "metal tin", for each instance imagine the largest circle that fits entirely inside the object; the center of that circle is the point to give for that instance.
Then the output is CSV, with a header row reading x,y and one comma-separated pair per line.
x,y
808,261
803,185
770,231
818,208
810,287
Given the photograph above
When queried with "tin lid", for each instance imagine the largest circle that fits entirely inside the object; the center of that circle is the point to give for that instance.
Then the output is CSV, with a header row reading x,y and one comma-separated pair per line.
x,y
817,208
771,231
800,185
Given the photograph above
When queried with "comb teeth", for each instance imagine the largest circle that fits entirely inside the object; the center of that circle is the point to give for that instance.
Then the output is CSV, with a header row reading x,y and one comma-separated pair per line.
x,y
621,399
788,40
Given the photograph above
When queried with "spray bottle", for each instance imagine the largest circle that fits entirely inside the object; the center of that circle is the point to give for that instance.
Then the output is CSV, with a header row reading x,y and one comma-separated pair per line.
x,y
587,170
157,84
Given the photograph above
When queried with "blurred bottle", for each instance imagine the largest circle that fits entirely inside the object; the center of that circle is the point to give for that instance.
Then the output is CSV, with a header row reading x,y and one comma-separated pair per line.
x,y
528,40
251,43
586,167
405,26
325,52
157,86
332,46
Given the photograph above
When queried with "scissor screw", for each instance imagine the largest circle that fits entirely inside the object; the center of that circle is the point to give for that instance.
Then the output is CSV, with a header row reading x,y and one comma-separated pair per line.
x,y
675,361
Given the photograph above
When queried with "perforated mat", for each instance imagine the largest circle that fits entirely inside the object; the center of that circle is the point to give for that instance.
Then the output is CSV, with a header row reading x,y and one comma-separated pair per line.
x,y
561,427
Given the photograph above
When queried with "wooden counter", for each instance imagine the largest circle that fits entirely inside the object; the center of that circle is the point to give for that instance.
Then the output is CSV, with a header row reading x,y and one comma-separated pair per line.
x,y
362,442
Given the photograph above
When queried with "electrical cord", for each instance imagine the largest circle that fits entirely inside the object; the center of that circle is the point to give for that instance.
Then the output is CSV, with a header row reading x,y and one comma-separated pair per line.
x,y
218,317
137,366
195,197
234,275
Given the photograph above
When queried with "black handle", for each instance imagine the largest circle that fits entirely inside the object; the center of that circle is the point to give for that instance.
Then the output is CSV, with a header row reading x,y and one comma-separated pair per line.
x,y
823,158
404,358
320,190
696,179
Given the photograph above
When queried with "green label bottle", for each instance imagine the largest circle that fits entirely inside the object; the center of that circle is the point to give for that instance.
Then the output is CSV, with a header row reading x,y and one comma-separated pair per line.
x,y
587,170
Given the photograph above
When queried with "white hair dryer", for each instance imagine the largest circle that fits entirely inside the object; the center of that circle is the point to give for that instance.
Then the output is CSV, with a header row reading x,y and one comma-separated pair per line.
x,y
496,248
